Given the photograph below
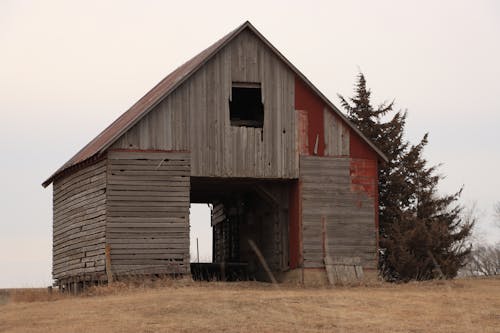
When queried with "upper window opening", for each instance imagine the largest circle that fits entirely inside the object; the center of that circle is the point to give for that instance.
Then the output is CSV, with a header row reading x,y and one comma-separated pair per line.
x,y
245,107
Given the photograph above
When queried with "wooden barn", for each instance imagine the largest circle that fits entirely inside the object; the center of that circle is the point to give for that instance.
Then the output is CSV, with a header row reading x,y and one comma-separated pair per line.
x,y
239,127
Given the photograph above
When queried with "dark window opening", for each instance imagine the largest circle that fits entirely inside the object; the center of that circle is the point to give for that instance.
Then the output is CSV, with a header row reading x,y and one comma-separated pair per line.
x,y
245,107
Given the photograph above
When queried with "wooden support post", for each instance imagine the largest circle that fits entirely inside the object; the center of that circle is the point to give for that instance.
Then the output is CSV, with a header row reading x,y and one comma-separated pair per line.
x,y
223,271
323,235
326,253
109,274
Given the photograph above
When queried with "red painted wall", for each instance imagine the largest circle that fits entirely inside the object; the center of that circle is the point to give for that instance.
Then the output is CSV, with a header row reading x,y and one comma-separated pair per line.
x,y
359,148
364,171
363,166
306,100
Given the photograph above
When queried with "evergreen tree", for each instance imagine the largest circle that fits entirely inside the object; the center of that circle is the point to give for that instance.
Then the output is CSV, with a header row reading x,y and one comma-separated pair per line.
x,y
388,137
422,233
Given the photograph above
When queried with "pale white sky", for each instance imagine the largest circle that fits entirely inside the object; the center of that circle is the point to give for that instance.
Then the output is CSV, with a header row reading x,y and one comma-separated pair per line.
x,y
67,69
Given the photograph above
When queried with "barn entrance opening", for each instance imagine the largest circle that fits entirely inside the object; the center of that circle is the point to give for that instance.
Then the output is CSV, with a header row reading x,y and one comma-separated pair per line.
x,y
249,222
200,233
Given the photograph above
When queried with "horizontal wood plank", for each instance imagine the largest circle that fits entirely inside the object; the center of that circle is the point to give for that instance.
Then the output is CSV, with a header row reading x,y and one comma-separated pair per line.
x,y
328,194
148,211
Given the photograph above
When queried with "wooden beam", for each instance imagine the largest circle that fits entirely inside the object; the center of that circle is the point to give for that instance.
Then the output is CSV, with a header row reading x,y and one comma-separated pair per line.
x,y
109,274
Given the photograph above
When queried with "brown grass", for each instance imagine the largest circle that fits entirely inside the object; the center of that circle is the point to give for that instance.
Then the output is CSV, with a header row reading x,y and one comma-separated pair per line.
x,y
180,306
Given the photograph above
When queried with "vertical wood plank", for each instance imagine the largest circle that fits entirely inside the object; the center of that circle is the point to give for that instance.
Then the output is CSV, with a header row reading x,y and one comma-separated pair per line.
x,y
200,107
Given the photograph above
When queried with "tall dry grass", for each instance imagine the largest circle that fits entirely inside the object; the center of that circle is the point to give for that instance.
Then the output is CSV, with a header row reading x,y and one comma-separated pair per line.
x,y
166,305
28,295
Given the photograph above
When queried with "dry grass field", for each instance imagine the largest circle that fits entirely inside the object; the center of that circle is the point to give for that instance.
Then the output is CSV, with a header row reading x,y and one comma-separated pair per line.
x,y
438,306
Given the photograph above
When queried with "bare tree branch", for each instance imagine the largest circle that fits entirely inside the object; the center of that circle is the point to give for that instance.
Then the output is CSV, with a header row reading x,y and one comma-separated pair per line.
x,y
497,214
484,260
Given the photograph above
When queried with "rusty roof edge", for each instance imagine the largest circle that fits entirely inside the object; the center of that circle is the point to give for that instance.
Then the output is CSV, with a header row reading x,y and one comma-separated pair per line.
x,y
64,167
228,37
49,180
186,76
319,93
69,169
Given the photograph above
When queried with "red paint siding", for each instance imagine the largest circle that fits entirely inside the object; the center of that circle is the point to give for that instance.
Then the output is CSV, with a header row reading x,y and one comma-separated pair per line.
x,y
359,149
294,229
363,166
306,100
364,172
376,209
364,176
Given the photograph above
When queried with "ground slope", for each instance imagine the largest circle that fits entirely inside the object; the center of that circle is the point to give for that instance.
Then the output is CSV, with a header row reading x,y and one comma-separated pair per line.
x,y
450,306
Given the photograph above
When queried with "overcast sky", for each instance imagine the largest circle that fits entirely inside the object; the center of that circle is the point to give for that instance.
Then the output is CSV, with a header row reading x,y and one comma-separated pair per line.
x,y
68,69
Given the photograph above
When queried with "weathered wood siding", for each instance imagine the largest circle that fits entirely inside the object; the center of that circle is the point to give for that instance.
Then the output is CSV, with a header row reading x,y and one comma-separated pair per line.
x,y
328,192
266,224
274,224
166,127
336,135
219,233
196,117
79,217
148,212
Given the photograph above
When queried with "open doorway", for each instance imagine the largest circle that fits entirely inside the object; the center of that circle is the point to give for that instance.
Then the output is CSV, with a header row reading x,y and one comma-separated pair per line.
x,y
249,228
200,233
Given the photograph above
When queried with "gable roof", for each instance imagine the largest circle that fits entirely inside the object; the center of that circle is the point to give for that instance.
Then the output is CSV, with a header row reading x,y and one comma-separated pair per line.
x,y
110,134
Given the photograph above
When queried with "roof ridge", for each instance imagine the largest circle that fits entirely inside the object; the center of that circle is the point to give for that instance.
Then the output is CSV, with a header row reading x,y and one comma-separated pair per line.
x,y
168,84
